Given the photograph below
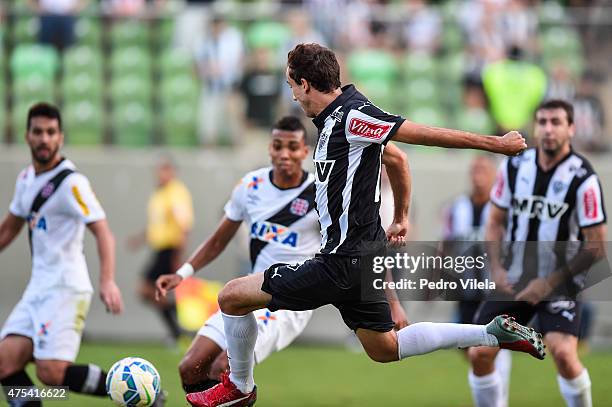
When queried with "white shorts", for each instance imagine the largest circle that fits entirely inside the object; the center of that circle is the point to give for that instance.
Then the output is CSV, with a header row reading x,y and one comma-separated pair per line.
x,y
54,322
276,330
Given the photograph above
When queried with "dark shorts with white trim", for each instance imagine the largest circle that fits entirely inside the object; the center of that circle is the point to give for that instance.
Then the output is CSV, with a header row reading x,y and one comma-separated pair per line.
x,y
551,316
328,279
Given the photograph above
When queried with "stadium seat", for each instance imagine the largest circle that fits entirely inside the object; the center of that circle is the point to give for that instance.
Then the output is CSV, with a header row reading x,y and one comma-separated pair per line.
x,y
25,30
131,88
427,115
452,67
164,31
28,59
82,87
474,120
129,32
179,89
131,61
452,37
179,124
419,65
375,73
84,123
88,31
132,124
83,59
421,92
174,61
267,34
33,87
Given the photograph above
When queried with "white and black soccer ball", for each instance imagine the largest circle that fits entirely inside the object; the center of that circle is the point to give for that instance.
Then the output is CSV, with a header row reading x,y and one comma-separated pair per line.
x,y
133,382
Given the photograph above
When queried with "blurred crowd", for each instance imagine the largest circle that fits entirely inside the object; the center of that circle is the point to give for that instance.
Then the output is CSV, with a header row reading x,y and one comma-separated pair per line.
x,y
480,65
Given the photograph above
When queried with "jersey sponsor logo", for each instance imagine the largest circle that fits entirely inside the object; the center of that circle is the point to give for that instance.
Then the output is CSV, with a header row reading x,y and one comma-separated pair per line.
x,y
254,183
267,318
299,207
323,170
363,128
539,207
35,222
272,232
590,203
579,171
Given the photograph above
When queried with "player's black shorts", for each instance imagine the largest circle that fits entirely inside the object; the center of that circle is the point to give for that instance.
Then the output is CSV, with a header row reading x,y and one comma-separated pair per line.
x,y
552,316
328,279
161,263
467,311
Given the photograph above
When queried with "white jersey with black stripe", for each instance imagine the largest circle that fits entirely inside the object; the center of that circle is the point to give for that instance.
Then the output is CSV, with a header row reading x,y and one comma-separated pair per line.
x,y
347,158
282,222
57,229
546,206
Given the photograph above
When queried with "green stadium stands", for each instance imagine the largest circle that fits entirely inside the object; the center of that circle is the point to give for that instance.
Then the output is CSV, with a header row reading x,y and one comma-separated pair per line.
x,y
131,88
34,87
29,59
83,59
82,87
419,65
174,62
475,121
84,123
132,124
179,124
25,30
129,32
131,61
375,73
88,31
267,34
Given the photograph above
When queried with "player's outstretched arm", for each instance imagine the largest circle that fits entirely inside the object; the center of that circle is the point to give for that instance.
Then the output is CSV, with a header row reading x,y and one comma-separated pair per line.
x,y
9,229
109,292
511,143
203,255
398,170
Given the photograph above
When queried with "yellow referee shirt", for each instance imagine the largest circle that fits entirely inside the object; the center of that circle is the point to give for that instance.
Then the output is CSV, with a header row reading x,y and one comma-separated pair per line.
x,y
170,215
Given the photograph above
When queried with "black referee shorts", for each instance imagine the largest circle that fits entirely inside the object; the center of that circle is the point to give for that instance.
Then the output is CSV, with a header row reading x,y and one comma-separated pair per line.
x,y
161,263
328,279
552,316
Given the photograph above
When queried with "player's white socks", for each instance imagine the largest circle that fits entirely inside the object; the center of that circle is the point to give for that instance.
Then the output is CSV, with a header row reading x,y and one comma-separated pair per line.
x,y
487,390
576,392
425,337
503,364
241,335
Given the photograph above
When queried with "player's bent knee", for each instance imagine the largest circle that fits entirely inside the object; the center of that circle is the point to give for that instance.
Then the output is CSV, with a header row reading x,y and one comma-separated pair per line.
x,y
229,297
482,356
192,370
50,374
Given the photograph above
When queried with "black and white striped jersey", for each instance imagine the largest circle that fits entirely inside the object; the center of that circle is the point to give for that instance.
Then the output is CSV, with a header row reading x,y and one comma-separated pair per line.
x,y
347,158
546,206
465,221
282,223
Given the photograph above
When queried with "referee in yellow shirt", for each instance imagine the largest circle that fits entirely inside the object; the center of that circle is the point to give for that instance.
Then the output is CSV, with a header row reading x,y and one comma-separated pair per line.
x,y
170,218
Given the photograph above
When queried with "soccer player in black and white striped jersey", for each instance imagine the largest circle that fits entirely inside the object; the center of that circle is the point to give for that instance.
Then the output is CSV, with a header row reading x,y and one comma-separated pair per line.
x,y
352,135
548,194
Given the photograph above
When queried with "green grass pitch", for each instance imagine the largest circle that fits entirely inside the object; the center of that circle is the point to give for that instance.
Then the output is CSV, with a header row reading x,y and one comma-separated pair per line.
x,y
334,377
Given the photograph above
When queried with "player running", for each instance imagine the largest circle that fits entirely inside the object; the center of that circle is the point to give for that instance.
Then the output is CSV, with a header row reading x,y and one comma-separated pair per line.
x,y
565,187
57,203
352,136
277,204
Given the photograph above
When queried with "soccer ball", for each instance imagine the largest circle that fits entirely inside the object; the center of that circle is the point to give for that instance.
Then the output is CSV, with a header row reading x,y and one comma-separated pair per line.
x,y
133,382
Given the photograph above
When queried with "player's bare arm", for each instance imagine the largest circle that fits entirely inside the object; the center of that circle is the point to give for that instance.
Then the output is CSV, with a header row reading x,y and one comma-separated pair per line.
x,y
9,229
203,255
510,144
494,235
398,170
593,251
109,292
